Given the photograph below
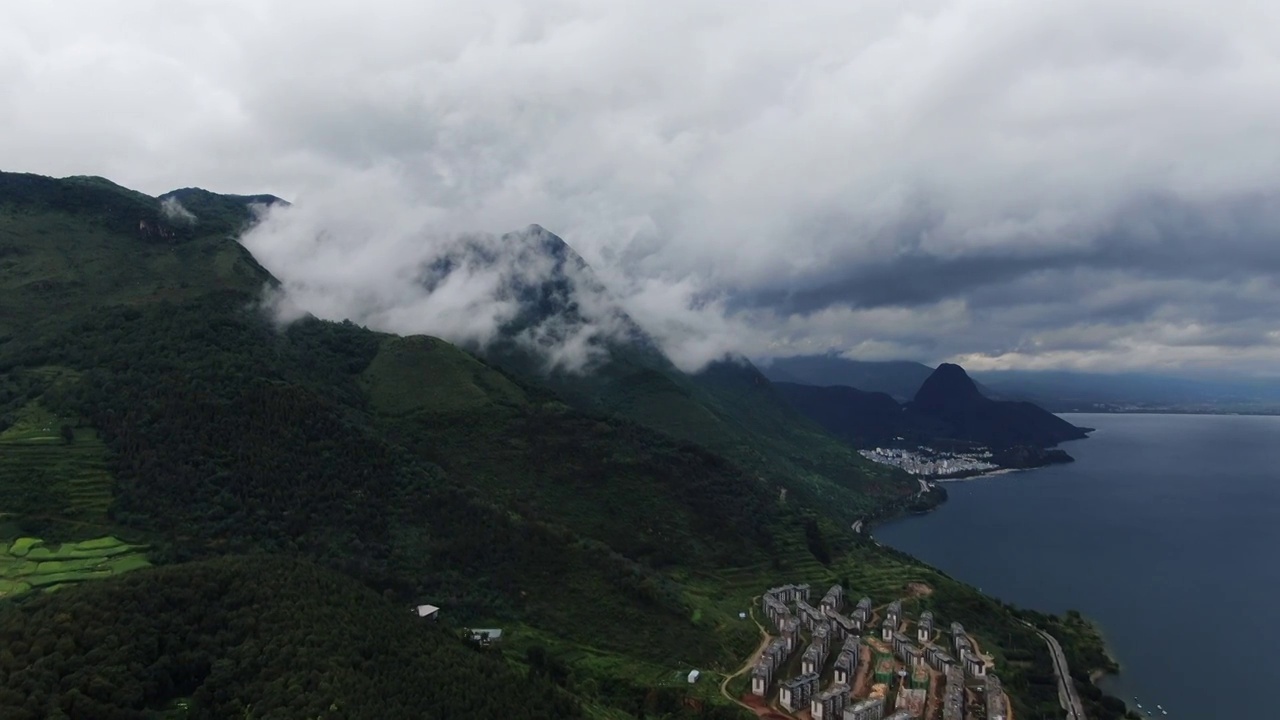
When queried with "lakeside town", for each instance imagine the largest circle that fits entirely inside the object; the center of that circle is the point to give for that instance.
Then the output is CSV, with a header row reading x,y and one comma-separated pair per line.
x,y
869,663
927,462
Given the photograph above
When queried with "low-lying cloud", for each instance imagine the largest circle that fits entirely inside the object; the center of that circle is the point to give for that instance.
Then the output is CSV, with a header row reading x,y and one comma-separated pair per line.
x,y
1057,184
370,255
174,210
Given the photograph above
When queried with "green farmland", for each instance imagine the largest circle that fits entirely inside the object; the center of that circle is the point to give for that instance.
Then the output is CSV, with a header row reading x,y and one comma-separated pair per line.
x,y
54,474
29,564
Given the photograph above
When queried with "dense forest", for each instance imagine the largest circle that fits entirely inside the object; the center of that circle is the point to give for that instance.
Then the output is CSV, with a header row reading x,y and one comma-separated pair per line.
x,y
248,636
227,436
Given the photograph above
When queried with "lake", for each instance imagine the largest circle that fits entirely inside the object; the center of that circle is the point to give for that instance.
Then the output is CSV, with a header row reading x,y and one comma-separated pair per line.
x,y
1165,531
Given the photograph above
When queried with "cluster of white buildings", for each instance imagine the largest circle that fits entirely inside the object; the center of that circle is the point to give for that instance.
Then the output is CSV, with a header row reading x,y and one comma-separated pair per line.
x,y
830,631
928,463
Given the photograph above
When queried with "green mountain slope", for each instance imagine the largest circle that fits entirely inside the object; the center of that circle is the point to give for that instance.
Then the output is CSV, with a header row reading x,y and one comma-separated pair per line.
x,y
615,551
76,241
729,407
254,636
225,434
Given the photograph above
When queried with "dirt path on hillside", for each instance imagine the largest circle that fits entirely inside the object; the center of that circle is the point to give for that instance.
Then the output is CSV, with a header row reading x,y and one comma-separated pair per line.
x,y
862,683
977,647
765,639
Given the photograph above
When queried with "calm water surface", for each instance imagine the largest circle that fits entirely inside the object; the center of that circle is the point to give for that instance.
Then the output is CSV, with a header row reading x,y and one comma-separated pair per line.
x,y
1166,531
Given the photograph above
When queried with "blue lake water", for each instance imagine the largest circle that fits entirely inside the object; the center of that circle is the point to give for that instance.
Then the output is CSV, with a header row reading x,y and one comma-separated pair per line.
x,y
1166,531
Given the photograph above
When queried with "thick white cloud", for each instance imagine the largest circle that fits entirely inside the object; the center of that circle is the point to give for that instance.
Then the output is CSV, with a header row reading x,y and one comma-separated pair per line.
x,y
937,179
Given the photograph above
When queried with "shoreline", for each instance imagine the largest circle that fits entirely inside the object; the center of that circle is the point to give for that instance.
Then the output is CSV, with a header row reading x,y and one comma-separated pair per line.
x,y
1097,676
979,476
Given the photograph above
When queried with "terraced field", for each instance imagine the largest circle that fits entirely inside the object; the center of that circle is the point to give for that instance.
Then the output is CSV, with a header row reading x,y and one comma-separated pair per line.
x,y
56,475
29,564
792,563
45,474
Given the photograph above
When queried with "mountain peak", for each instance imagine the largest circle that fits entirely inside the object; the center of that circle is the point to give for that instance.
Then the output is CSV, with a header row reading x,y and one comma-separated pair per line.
x,y
949,385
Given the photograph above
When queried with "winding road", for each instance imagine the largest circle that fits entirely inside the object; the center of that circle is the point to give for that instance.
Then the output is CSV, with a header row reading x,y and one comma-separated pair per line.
x,y
1067,695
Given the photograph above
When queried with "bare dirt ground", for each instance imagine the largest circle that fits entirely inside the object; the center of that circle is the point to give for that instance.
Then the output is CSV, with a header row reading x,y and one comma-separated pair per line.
x,y
933,707
918,589
990,659
762,710
862,682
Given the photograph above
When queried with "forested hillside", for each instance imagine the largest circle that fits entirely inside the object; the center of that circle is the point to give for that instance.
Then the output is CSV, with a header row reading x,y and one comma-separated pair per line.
x,y
729,407
152,412
253,636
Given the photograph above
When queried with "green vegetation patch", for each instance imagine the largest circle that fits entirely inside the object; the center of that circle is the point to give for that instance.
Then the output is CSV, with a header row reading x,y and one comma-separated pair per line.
x,y
336,649
16,568
31,563
70,553
51,469
33,424
101,543
51,567
23,545
425,373
12,587
126,563
65,577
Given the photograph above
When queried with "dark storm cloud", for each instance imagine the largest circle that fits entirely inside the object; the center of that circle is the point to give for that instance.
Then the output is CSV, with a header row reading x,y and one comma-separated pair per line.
x,y
1033,184
1235,239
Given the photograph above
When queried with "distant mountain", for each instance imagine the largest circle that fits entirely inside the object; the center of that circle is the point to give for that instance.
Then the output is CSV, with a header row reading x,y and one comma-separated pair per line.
x,y
858,417
948,410
898,378
949,405
1055,390
1067,391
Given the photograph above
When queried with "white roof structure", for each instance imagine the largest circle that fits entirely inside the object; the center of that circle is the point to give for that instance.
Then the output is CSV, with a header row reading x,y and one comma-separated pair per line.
x,y
427,610
693,676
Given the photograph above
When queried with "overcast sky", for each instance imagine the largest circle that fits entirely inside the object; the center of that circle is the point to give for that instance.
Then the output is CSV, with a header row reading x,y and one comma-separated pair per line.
x,y
1071,183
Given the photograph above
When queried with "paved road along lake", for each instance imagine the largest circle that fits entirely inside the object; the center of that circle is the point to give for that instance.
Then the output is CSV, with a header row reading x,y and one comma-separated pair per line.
x,y
1166,531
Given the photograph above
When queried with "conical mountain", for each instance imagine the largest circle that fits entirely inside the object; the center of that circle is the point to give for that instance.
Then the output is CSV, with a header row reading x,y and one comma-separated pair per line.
x,y
950,406
949,386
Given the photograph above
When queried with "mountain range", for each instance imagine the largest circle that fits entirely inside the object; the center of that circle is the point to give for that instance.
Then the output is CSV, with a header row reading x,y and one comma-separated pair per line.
x,y
1055,390
209,513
